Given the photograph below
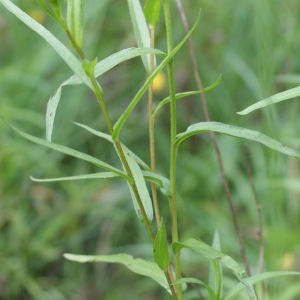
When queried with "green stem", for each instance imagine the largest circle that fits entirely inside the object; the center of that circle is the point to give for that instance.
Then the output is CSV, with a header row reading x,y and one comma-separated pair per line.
x,y
173,150
151,129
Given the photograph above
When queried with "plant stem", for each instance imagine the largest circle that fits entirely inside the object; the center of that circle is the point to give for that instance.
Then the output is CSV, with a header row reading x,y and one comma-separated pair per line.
x,y
173,148
214,139
151,129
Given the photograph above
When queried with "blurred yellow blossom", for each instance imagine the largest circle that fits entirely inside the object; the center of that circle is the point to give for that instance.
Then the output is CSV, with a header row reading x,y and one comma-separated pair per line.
x,y
288,260
159,82
38,15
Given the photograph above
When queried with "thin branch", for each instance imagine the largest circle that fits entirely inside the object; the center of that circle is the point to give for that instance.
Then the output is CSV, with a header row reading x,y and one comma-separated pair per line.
x,y
214,139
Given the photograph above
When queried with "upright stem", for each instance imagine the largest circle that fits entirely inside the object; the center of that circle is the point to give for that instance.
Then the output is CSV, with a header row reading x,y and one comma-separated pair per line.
x,y
173,148
151,129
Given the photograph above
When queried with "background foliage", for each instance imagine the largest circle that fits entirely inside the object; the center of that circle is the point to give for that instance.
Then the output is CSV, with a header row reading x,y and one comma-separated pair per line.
x,y
254,45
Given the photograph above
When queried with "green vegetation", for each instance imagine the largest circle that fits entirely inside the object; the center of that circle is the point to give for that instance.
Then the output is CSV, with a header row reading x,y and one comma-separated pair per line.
x,y
87,216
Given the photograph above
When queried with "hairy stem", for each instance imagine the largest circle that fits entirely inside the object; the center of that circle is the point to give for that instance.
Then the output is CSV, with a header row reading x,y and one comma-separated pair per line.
x,y
214,139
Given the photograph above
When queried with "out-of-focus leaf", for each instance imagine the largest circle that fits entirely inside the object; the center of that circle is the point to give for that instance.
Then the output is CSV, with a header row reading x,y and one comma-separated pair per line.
x,y
152,10
75,20
236,132
292,93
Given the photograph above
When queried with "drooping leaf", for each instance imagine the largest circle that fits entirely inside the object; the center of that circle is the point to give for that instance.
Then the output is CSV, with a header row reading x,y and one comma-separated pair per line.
x,y
61,49
119,124
160,248
140,29
185,94
142,189
255,279
75,20
197,281
236,132
67,150
136,265
215,269
152,10
100,68
209,252
289,94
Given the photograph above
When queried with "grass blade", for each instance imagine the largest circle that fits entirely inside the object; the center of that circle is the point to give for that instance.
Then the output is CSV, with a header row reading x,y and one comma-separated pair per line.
x,y
185,94
209,252
236,132
67,150
119,124
136,265
292,93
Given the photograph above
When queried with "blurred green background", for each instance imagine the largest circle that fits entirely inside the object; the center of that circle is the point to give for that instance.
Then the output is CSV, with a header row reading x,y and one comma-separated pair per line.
x,y
253,44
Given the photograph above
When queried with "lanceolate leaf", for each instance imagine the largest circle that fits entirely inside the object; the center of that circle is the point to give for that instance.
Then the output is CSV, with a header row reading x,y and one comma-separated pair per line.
x,y
160,248
100,68
102,175
209,252
162,182
142,189
67,150
236,132
152,10
61,49
185,94
255,279
119,124
136,265
109,139
140,29
292,93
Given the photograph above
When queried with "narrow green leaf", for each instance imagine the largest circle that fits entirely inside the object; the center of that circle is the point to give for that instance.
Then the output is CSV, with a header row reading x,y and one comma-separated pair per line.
x,y
75,20
161,181
160,247
292,93
215,269
100,68
209,252
136,265
61,49
119,124
152,10
67,150
102,175
185,94
236,132
255,279
140,29
109,139
142,189
197,281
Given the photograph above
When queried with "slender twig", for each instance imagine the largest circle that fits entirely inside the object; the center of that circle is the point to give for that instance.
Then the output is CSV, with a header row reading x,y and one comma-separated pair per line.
x,y
173,148
214,140
259,214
